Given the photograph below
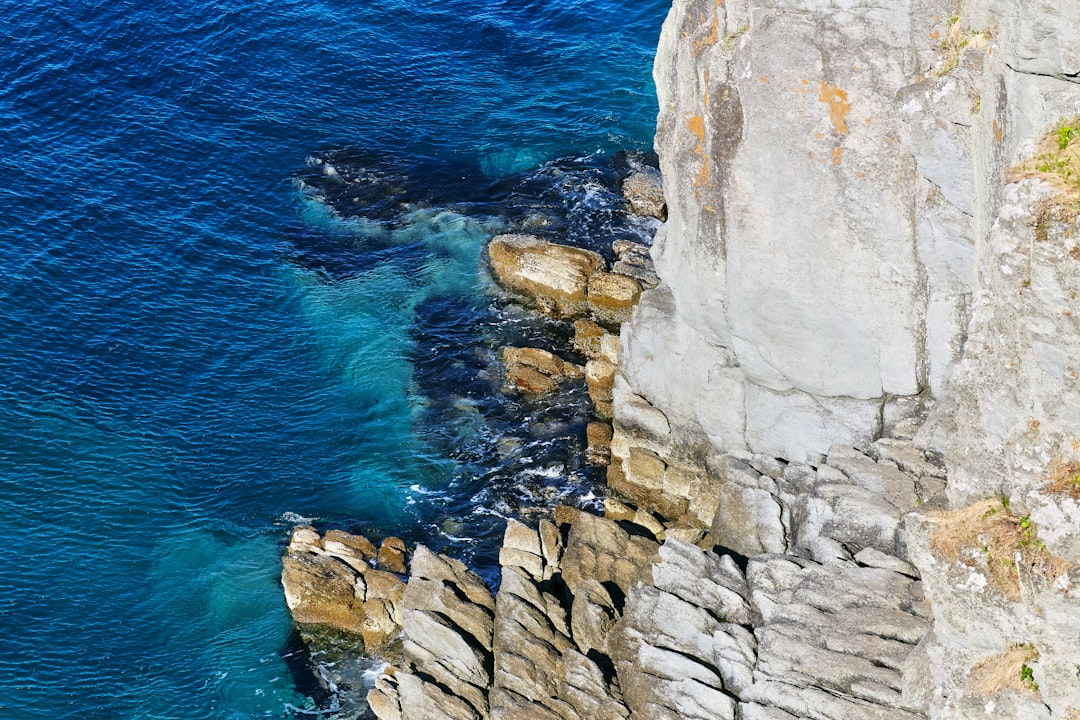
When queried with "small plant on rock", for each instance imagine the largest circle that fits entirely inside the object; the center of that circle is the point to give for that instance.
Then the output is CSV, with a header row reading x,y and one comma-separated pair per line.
x,y
1057,161
1008,670
1064,478
1004,544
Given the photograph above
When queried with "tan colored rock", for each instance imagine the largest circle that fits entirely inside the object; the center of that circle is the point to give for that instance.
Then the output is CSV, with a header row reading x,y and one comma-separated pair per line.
x,y
600,550
592,615
598,452
536,371
587,335
612,297
553,276
617,511
320,590
391,556
600,379
339,542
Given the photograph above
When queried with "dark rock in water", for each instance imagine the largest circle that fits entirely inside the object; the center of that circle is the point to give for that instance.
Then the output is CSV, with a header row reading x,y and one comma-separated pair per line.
x,y
354,182
644,191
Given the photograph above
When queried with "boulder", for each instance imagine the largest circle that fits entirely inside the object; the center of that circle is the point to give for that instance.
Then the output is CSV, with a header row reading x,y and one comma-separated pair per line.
x,y
555,277
612,297
536,371
644,193
329,584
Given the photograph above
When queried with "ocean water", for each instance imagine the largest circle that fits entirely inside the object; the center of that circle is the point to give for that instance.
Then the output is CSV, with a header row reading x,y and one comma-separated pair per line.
x,y
242,287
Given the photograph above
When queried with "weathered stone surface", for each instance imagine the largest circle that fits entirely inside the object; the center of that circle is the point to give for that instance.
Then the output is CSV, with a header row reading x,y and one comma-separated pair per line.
x,y
592,615
663,651
536,371
835,639
598,436
553,276
600,550
748,518
328,583
634,260
612,297
392,556
584,688
644,191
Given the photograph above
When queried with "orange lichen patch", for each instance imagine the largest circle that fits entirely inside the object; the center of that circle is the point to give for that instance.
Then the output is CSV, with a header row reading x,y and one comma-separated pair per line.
x,y
837,155
935,35
703,174
869,120
997,131
839,108
764,79
714,31
697,126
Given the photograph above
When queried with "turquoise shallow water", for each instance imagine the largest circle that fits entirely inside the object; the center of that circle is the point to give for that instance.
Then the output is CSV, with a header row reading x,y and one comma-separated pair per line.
x,y
202,344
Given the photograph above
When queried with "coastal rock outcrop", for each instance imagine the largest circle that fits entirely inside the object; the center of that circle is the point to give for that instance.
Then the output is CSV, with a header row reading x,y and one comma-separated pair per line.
x,y
555,277
845,442
330,582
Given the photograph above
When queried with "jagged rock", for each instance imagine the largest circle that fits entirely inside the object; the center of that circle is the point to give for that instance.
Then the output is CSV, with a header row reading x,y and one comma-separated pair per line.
x,y
447,618
584,688
600,379
598,437
644,191
634,260
328,583
592,615
748,519
553,276
600,550
612,297
420,700
536,371
320,590
531,634
391,557
521,548
663,651
834,639
705,578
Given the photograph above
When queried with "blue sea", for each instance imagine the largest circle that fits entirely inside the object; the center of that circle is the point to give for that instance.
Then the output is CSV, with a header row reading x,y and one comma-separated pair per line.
x,y
243,288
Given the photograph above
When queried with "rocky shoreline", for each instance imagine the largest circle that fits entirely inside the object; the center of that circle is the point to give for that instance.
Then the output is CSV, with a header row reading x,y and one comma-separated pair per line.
x,y
840,423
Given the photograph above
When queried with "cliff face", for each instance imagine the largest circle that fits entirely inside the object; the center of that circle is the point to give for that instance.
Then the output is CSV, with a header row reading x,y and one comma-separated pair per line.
x,y
858,253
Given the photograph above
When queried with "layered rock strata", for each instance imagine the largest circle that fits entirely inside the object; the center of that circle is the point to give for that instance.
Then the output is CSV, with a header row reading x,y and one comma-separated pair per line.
x,y
604,618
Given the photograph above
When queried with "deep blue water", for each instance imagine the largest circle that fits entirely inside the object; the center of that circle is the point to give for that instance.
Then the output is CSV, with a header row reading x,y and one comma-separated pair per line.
x,y
201,344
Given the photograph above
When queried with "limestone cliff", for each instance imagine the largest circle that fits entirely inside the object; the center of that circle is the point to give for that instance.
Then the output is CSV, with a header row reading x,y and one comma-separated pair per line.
x,y
859,251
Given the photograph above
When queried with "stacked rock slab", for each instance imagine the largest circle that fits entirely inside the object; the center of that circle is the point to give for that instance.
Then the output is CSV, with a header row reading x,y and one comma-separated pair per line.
x,y
329,582
595,618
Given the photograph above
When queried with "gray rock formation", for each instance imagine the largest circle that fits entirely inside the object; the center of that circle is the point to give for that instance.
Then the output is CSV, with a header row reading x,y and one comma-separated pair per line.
x,y
859,254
